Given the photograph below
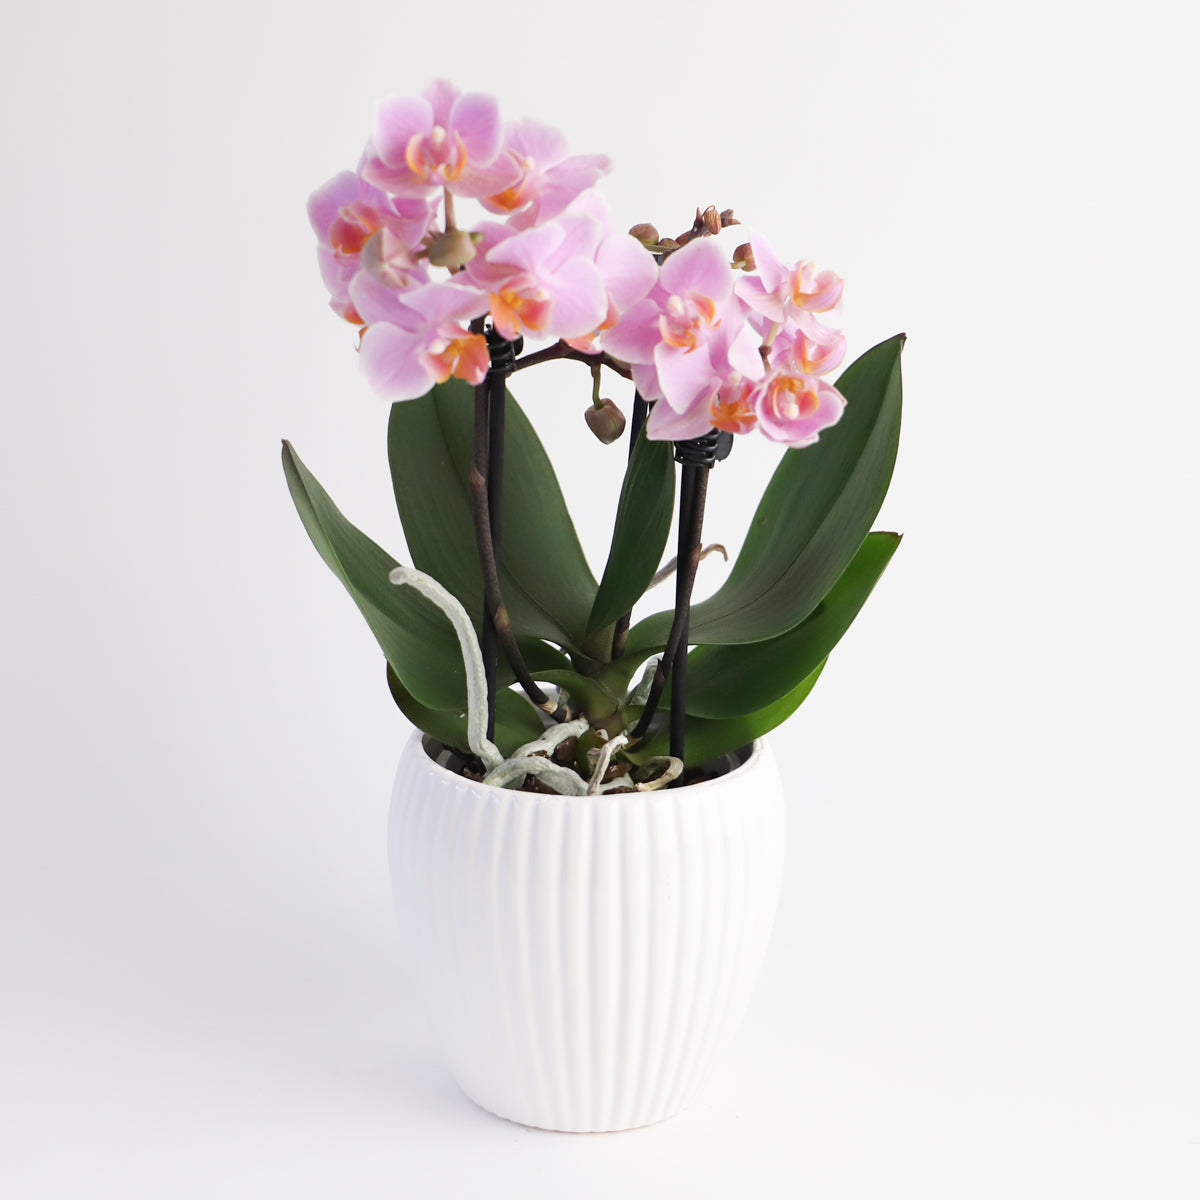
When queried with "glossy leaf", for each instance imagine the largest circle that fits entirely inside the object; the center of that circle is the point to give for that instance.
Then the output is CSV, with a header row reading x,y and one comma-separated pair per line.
x,y
726,681
640,532
517,721
813,517
588,694
707,739
416,637
547,586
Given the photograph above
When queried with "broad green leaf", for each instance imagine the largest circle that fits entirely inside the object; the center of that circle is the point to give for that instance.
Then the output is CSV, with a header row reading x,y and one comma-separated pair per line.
x,y
812,519
517,721
592,696
415,635
640,532
539,658
707,739
544,577
726,681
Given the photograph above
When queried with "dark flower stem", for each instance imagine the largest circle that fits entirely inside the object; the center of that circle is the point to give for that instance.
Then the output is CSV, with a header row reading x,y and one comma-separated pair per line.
x,y
641,409
486,483
693,488
562,350
692,492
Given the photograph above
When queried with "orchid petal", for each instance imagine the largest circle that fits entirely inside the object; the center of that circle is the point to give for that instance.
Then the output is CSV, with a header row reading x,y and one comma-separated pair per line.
x,y
685,375
636,334
396,120
701,266
391,362
531,139
476,119
628,270
666,425
769,266
580,302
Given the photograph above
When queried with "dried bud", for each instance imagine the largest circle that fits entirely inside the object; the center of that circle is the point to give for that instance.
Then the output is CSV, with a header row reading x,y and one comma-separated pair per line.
x,y
454,248
727,219
743,257
645,233
711,219
605,420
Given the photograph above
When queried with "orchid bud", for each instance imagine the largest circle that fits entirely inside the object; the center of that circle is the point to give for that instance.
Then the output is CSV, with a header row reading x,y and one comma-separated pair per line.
x,y
727,219
605,420
454,248
743,257
645,233
711,219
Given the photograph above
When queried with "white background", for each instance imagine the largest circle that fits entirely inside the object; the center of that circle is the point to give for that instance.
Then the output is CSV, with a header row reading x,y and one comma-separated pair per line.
x,y
984,979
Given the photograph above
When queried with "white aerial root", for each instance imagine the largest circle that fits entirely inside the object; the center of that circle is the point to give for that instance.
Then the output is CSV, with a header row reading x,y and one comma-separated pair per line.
x,y
603,758
553,736
512,771
673,770
487,751
511,774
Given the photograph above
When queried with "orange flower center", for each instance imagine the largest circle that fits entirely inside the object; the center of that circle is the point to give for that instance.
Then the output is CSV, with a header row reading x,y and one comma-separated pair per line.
x,y
792,397
464,357
687,319
513,311
435,155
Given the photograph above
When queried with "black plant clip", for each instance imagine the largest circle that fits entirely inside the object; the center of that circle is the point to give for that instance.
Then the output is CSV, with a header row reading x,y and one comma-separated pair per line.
x,y
706,450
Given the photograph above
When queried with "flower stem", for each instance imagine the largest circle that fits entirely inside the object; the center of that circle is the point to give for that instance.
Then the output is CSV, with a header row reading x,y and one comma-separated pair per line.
x,y
485,477
562,350
692,492
641,409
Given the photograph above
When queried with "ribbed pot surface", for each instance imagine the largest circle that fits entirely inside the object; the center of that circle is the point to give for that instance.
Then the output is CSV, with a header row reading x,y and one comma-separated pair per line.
x,y
585,959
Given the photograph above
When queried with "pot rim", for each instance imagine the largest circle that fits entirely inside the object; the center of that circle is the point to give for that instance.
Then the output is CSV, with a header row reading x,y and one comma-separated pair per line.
x,y
757,756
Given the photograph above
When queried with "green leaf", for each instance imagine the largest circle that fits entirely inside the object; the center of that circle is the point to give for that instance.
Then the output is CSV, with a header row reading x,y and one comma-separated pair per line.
x,y
595,699
726,681
539,658
517,721
547,586
708,739
415,635
812,519
640,532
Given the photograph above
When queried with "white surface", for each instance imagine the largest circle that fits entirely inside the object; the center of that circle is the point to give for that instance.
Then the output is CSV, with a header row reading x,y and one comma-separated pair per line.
x,y
984,980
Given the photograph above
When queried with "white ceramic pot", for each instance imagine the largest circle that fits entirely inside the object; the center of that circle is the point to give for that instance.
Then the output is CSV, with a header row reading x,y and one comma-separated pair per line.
x,y
585,959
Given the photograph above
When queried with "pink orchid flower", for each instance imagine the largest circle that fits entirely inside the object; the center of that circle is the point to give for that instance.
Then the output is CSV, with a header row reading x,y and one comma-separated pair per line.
x,y
780,292
440,139
627,270
543,280
689,333
793,408
808,346
411,344
346,214
731,406
547,180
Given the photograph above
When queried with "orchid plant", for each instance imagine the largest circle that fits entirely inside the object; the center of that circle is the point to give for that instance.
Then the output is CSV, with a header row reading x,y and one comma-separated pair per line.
x,y
498,638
